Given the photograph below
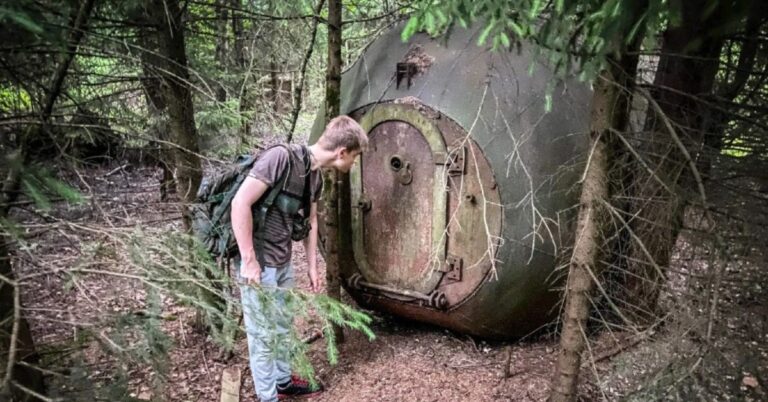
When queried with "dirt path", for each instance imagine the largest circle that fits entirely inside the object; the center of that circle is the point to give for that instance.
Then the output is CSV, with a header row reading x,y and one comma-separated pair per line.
x,y
406,362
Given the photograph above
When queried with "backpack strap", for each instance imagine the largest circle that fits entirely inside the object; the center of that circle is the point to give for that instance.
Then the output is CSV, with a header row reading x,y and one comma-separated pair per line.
x,y
306,203
265,205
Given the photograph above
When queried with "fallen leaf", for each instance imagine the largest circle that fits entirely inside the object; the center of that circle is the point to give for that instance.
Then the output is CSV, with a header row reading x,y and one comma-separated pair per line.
x,y
750,381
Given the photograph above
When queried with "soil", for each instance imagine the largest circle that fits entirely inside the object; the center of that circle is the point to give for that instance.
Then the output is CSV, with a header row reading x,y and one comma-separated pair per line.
x,y
406,362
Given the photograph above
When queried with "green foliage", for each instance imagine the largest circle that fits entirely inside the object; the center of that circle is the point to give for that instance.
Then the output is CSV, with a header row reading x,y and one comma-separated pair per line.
x,y
329,311
40,186
737,148
580,34
173,265
13,14
176,265
214,117
137,338
14,99
76,381
134,339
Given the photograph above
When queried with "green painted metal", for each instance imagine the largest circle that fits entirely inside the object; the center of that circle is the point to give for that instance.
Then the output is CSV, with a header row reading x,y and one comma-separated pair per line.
x,y
535,156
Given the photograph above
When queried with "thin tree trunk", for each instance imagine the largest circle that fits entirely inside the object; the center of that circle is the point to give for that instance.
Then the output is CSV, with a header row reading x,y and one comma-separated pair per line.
x,y
333,74
274,81
609,116
609,112
222,19
246,96
297,94
332,106
75,36
16,340
238,47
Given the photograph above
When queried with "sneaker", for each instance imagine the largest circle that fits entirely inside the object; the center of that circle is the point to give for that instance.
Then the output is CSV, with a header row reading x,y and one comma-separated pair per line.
x,y
297,388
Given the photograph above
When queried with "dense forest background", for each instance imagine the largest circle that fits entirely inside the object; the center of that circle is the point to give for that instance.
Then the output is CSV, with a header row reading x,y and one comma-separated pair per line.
x,y
111,112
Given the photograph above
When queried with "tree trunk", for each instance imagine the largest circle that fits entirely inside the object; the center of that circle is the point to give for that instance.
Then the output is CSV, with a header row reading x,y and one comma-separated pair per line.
x,y
333,74
332,106
610,111
246,96
174,74
238,47
274,81
683,84
222,19
176,91
609,115
151,65
16,340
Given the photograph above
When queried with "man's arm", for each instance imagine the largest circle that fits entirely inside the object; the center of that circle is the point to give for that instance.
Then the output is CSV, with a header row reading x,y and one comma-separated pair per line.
x,y
242,225
310,248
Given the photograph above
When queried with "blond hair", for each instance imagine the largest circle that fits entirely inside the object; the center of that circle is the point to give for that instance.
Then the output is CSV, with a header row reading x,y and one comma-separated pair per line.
x,y
343,131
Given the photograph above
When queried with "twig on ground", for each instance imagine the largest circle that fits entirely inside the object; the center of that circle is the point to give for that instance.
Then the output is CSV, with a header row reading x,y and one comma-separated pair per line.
x,y
313,337
115,170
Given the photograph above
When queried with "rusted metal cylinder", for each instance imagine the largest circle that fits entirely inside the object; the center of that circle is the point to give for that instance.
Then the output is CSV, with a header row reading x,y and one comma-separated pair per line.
x,y
461,209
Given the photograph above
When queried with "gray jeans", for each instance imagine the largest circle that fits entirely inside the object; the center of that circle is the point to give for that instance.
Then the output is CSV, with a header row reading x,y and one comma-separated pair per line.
x,y
267,325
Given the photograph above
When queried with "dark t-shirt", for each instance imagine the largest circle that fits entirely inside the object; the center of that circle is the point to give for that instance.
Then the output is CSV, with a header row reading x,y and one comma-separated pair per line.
x,y
277,225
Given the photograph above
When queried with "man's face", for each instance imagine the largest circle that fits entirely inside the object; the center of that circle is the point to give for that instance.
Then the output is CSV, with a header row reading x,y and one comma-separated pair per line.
x,y
345,159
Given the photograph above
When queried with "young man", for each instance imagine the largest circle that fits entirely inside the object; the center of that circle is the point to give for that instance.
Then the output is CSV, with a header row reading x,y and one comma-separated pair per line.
x,y
269,263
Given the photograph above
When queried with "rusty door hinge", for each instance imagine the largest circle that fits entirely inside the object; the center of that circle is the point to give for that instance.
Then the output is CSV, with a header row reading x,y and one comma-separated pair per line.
x,y
453,268
456,161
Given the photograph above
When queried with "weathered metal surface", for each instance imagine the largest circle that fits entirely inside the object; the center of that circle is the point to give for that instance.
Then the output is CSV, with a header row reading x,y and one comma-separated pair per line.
x,y
507,205
475,214
434,299
397,233
468,221
401,241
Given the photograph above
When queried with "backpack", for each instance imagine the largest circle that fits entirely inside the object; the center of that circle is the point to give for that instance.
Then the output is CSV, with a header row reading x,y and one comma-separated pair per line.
x,y
211,221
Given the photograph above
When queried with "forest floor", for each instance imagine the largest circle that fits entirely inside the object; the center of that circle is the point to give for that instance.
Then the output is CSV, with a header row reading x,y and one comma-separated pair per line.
x,y
406,362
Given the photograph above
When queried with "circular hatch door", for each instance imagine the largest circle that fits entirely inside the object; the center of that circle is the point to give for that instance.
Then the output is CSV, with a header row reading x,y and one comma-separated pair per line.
x,y
399,200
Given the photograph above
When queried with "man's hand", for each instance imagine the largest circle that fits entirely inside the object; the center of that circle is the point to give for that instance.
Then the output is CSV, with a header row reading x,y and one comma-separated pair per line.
x,y
251,272
314,281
